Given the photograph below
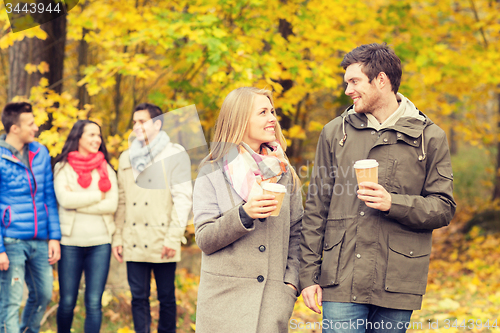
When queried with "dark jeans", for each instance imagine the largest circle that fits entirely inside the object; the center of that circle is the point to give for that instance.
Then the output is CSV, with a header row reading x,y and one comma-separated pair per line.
x,y
94,261
139,279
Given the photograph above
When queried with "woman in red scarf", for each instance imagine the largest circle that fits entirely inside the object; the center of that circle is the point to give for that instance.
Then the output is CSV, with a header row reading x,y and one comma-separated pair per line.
x,y
87,193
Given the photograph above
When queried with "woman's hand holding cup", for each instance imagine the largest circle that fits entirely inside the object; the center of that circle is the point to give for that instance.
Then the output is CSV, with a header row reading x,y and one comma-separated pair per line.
x,y
260,206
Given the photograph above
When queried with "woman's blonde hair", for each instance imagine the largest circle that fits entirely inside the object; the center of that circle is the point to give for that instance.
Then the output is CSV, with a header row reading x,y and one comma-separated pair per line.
x,y
232,124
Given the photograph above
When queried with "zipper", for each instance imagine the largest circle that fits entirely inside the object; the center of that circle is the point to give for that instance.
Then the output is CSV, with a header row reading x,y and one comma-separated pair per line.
x,y
33,195
393,172
34,204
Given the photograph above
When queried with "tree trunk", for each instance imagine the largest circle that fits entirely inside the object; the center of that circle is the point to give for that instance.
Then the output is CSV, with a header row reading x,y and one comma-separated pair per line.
x,y
113,128
496,190
54,51
26,51
83,51
34,51
453,136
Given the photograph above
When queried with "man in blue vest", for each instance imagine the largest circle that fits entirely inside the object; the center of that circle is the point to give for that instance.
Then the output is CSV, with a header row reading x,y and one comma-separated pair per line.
x,y
29,227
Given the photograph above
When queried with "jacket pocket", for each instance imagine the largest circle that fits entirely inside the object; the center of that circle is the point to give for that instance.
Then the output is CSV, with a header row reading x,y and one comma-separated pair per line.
x,y
6,217
445,171
408,262
331,256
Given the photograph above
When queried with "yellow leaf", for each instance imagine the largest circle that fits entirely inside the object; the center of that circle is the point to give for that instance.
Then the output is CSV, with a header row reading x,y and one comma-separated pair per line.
x,y
44,82
296,132
448,304
315,126
30,68
106,298
43,67
218,33
93,89
125,329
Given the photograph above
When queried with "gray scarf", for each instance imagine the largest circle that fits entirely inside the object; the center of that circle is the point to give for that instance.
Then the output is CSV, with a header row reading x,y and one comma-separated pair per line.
x,y
140,155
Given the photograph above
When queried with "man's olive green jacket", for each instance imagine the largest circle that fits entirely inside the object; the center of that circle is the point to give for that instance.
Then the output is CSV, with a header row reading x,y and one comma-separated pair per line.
x,y
362,255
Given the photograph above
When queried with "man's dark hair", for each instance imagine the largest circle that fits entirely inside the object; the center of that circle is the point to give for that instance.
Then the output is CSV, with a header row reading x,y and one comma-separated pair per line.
x,y
11,113
376,58
154,111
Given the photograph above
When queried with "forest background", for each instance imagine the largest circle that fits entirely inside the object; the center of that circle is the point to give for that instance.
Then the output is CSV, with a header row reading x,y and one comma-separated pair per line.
x,y
104,57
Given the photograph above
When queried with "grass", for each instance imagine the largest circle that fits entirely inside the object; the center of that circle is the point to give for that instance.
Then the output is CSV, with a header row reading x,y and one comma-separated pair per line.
x,y
473,170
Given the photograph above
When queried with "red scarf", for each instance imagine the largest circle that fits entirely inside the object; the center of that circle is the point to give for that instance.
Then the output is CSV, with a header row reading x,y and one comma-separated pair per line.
x,y
83,166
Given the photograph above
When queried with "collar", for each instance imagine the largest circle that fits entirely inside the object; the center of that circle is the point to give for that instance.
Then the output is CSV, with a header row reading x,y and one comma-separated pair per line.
x,y
410,126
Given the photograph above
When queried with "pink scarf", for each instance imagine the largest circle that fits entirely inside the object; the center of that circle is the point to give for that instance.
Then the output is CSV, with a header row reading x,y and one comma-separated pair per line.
x,y
83,166
247,170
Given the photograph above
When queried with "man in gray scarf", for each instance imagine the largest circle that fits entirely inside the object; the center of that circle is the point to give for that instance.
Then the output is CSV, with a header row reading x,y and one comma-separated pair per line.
x,y
152,215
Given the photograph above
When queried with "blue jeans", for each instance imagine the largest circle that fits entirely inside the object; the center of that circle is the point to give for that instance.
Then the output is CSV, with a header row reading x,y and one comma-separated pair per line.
x,y
94,261
360,318
29,262
139,279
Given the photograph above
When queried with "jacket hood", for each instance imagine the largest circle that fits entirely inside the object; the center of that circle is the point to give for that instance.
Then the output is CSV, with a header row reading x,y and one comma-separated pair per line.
x,y
406,119
23,158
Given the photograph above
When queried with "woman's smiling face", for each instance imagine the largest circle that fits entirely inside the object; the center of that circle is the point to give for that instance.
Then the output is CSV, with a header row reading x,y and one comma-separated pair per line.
x,y
90,140
261,125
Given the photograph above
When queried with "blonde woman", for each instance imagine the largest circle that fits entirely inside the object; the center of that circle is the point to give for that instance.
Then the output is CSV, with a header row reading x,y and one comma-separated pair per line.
x,y
249,270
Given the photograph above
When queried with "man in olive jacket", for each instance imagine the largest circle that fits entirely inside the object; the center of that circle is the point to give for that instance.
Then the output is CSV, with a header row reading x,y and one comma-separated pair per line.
x,y
365,252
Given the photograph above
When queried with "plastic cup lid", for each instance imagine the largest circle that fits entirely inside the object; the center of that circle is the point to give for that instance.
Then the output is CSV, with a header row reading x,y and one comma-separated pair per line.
x,y
365,164
273,187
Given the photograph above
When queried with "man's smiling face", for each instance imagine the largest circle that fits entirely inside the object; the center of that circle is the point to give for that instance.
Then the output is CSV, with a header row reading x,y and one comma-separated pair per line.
x,y
365,95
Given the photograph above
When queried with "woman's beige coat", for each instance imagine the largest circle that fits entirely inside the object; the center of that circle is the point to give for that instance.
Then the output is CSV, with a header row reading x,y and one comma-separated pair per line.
x,y
83,200
243,271
146,220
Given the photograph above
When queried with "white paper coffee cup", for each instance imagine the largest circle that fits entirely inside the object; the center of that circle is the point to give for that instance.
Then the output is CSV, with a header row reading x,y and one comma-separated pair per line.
x,y
366,171
278,191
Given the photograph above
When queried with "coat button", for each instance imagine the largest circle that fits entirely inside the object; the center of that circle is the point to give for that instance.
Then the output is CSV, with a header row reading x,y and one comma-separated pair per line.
x,y
146,224
362,125
362,213
260,278
415,141
262,248
146,246
354,298
163,224
411,253
385,140
146,203
373,132
420,158
133,245
134,203
358,255
399,135
133,223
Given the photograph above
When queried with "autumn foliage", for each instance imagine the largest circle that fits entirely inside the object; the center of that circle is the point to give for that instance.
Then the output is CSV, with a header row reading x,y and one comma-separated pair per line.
x,y
178,53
